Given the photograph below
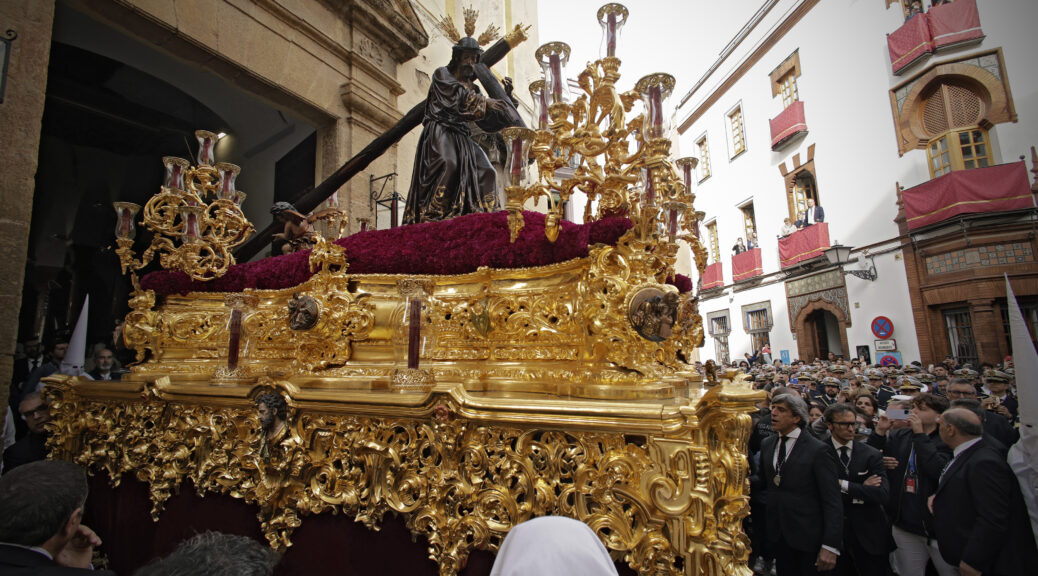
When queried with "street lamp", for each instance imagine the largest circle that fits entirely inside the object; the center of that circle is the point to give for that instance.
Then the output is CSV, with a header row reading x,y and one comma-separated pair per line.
x,y
838,255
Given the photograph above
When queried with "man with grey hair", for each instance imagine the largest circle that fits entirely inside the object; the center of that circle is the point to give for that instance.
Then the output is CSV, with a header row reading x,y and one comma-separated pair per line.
x,y
41,506
215,554
33,446
981,519
804,505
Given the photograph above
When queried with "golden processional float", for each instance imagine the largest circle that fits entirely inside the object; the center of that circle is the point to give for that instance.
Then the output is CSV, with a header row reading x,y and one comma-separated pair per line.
x,y
463,403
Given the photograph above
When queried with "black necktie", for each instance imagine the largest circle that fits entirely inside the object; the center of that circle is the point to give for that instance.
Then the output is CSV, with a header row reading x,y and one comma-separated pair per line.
x,y
844,456
782,454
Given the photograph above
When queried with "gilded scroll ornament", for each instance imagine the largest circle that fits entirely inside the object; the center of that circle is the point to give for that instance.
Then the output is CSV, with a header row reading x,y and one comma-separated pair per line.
x,y
670,505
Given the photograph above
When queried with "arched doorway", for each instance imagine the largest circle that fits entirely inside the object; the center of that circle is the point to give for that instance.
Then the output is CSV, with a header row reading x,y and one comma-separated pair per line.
x,y
821,328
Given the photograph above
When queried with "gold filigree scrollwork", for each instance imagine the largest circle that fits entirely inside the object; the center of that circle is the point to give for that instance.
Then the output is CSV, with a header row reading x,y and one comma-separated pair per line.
x,y
343,319
667,505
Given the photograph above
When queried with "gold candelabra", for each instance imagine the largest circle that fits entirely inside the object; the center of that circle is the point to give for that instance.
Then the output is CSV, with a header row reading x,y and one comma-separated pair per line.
x,y
196,217
584,145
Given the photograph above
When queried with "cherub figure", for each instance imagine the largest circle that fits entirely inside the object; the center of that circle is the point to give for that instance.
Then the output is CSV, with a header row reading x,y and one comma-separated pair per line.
x,y
298,232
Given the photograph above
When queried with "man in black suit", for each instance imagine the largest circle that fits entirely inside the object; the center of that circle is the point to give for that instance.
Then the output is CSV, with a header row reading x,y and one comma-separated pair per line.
x,y
914,457
22,368
32,446
104,361
804,506
55,355
41,505
863,482
813,214
982,523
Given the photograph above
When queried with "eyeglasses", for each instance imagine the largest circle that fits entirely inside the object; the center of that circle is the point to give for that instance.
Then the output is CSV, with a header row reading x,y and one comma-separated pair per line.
x,y
850,424
34,412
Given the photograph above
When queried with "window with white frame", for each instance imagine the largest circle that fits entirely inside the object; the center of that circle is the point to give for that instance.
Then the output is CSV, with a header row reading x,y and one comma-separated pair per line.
x,y
719,328
703,152
749,222
757,322
736,131
715,250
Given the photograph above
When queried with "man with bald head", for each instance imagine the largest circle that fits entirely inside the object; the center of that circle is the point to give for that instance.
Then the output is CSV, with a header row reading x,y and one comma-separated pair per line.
x,y
981,520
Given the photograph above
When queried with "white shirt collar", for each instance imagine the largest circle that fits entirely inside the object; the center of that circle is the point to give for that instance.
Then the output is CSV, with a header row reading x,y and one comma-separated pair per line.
x,y
792,435
837,445
964,446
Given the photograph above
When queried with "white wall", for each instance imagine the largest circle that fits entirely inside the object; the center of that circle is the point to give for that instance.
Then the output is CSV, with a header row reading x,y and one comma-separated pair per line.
x,y
845,83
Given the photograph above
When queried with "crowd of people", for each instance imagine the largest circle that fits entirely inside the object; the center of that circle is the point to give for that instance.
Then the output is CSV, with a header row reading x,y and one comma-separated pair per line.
x,y
872,470
854,468
24,434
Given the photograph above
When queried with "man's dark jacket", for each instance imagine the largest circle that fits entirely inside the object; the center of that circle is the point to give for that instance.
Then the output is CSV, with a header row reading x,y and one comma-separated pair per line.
x,y
16,561
806,507
981,516
30,448
863,506
909,511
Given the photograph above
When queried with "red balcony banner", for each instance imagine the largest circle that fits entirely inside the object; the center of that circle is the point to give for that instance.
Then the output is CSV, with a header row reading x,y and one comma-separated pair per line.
x,y
910,42
713,276
805,244
993,189
954,23
787,124
746,265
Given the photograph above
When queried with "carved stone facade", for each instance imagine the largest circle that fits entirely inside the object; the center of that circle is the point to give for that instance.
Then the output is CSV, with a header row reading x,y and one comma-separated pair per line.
x,y
826,291
331,63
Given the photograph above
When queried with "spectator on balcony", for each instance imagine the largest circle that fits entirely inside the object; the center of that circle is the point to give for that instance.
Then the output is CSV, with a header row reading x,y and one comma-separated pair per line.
x,y
813,215
916,8
739,247
787,228
751,242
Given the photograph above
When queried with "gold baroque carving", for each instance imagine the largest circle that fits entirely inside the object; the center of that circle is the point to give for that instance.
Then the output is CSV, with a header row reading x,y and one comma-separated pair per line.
x,y
670,505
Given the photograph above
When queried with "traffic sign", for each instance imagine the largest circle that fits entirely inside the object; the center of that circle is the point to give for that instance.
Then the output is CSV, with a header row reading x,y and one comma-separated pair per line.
x,y
890,359
882,327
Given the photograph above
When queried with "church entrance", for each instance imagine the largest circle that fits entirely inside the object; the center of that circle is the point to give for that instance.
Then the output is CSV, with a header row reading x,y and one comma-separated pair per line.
x,y
821,331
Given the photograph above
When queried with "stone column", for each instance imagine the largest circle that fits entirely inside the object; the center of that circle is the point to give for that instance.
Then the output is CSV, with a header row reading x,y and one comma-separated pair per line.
x,y
987,324
21,114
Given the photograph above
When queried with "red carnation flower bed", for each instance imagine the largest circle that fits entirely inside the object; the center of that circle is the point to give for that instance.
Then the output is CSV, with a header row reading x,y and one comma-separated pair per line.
x,y
456,246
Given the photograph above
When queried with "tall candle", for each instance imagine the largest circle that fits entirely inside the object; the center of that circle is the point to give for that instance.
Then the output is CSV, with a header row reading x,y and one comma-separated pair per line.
x,y
656,109
234,342
515,167
650,189
556,76
543,119
125,223
611,35
393,207
687,169
672,224
414,333
191,226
